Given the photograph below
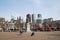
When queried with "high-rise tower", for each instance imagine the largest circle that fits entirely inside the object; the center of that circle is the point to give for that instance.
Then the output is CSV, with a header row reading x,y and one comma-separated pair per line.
x,y
28,18
33,18
39,18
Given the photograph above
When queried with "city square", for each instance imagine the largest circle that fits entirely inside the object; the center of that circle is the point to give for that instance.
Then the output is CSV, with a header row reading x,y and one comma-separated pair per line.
x,y
55,35
29,19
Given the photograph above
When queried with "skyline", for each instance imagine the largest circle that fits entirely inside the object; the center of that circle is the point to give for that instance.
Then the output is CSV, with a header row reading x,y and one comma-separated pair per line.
x,y
48,8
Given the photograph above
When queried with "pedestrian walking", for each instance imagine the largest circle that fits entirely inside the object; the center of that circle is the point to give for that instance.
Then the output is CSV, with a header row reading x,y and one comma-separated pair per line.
x,y
32,34
21,32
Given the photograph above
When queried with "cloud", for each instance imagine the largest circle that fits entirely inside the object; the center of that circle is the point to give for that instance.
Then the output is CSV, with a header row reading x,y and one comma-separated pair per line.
x,y
13,13
37,1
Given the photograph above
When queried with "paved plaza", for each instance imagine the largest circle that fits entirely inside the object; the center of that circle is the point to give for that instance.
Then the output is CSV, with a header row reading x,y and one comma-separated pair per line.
x,y
55,35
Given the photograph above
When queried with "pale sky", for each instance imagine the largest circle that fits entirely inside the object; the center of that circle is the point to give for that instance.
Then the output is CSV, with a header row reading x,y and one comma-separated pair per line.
x,y
48,8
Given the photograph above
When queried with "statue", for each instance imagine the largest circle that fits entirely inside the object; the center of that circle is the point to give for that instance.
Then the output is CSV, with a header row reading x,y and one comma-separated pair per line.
x,y
28,27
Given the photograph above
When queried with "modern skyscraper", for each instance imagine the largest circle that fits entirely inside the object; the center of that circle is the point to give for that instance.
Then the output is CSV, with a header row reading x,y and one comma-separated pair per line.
x,y
39,18
12,18
28,18
33,18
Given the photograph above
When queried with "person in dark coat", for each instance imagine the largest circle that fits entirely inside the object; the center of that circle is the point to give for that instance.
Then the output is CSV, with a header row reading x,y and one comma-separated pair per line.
x,y
32,34
21,32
